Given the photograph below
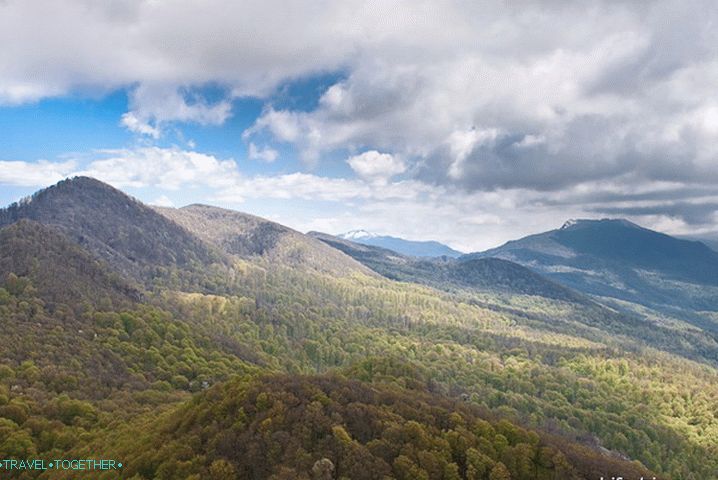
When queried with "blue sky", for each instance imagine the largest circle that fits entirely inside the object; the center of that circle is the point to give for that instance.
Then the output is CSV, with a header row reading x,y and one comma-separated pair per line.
x,y
469,124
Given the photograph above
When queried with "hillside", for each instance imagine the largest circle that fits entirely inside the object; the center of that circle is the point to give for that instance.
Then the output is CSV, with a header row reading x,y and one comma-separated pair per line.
x,y
130,236
326,427
61,272
503,286
251,237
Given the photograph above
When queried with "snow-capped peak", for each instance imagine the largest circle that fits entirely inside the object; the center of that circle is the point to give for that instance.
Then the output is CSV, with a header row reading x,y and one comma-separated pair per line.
x,y
357,235
569,223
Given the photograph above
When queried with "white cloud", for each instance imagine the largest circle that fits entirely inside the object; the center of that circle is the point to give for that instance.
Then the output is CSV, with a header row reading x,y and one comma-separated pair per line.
x,y
265,154
151,107
134,124
463,143
376,167
464,219
550,110
167,168
35,174
162,201
609,89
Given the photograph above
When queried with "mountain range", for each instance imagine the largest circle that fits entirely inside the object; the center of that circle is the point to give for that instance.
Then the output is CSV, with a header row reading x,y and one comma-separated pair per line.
x,y
201,342
487,274
410,248
613,258
610,259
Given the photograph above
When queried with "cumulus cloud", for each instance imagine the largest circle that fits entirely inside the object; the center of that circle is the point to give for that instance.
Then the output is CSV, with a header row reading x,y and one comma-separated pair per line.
x,y
151,107
466,220
376,167
134,124
35,174
607,108
167,168
265,154
582,95
592,93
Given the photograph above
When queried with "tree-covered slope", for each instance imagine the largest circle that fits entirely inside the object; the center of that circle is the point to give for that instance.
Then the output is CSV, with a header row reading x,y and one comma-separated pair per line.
x,y
327,427
133,238
61,271
248,236
299,322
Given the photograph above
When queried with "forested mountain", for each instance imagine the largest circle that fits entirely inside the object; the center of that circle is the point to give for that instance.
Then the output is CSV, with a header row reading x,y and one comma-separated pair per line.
x,y
130,236
490,277
618,259
353,429
257,352
412,248
249,237
484,274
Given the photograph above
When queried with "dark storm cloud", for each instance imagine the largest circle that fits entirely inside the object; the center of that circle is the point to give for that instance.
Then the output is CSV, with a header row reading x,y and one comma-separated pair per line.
x,y
690,213
610,197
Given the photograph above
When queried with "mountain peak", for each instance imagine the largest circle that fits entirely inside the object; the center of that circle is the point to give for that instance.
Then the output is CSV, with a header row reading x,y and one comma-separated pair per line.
x,y
116,227
67,187
81,183
619,259
357,235
569,223
585,222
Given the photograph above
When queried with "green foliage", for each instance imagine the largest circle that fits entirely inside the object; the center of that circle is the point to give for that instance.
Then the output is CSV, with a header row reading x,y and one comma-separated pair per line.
x,y
316,427
200,375
283,320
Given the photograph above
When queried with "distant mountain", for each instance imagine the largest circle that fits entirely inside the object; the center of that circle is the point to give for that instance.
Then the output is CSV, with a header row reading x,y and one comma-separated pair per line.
x,y
619,259
405,247
248,236
486,274
358,235
711,240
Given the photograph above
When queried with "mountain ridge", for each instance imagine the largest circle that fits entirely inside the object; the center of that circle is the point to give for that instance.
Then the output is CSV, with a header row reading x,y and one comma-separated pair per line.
x,y
414,248
246,235
617,258
488,274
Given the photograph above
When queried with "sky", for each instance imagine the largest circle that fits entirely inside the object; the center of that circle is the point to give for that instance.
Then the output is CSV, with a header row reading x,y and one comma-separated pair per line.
x,y
467,122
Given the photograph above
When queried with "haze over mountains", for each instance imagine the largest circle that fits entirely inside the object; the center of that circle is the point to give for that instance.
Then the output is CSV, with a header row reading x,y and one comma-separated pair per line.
x,y
405,247
201,342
